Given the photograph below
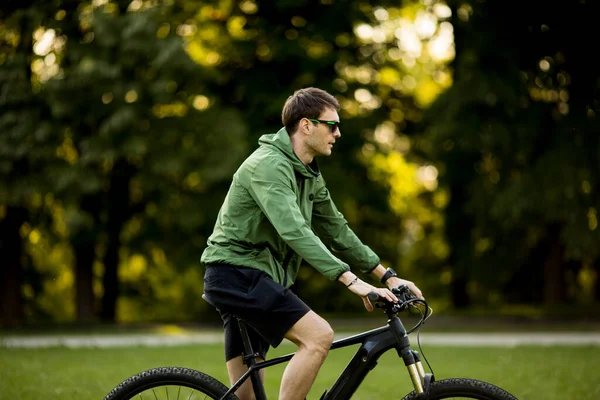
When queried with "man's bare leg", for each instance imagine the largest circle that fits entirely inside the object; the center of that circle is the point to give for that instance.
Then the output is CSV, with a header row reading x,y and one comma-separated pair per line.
x,y
313,336
236,368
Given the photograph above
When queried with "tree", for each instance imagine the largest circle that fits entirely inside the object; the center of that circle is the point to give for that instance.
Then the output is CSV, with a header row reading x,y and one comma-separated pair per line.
x,y
27,149
513,139
135,110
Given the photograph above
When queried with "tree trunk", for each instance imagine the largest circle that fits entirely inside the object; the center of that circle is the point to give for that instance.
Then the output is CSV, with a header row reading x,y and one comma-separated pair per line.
x,y
458,228
11,273
15,85
118,214
85,254
555,291
458,234
596,266
458,225
84,245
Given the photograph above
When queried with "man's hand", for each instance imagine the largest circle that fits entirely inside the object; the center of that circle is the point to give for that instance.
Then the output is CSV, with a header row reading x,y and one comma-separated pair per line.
x,y
395,282
363,289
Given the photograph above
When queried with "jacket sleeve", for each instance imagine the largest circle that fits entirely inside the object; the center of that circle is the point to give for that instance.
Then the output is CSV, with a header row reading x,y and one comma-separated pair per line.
x,y
271,187
333,229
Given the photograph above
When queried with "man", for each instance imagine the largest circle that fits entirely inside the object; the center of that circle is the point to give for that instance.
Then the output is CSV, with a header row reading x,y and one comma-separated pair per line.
x,y
277,212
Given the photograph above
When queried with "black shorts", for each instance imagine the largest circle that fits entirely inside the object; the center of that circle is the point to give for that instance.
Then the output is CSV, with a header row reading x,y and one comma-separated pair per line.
x,y
268,308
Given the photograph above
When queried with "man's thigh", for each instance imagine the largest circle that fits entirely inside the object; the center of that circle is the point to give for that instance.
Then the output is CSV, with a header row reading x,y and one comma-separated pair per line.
x,y
264,305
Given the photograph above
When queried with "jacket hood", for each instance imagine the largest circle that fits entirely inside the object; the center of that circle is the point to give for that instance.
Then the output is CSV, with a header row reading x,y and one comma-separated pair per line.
x,y
281,143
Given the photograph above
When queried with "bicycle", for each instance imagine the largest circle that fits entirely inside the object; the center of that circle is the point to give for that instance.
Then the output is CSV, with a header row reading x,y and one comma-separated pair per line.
x,y
373,343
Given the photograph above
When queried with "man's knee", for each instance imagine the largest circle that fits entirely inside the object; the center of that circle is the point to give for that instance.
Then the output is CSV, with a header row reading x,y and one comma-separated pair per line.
x,y
312,332
325,338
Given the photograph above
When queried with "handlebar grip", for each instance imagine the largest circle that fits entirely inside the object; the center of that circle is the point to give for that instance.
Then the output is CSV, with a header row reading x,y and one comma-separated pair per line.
x,y
373,296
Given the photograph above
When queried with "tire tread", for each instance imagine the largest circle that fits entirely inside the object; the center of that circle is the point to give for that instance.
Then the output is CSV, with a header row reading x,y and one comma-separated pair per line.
x,y
464,386
164,376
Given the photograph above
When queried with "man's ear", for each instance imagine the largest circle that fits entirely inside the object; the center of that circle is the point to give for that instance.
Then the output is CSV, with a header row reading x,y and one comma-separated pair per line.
x,y
303,125
306,124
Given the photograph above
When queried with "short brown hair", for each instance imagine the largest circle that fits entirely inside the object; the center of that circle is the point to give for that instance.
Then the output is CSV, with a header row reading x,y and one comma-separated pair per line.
x,y
306,103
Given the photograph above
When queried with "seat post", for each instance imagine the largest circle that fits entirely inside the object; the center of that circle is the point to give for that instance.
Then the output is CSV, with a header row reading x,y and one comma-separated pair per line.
x,y
249,358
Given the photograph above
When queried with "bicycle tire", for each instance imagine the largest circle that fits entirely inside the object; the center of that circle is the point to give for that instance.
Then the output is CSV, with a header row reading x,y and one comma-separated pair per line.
x,y
463,388
164,377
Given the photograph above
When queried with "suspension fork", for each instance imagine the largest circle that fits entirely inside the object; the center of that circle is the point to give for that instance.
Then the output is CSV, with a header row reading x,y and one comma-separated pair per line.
x,y
411,358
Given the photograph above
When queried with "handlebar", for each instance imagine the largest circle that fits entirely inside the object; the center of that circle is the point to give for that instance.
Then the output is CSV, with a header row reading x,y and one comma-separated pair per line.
x,y
404,295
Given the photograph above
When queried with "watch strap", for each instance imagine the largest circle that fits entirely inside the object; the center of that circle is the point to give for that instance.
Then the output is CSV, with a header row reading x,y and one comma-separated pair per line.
x,y
388,274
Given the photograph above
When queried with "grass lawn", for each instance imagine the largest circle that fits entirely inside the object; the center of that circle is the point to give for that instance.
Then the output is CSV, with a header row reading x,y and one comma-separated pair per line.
x,y
536,373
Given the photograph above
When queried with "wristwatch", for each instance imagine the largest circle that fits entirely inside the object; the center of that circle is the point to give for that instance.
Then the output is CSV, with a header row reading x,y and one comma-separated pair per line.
x,y
388,274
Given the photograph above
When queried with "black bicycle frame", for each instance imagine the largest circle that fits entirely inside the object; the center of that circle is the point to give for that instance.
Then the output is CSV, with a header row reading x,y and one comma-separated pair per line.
x,y
374,343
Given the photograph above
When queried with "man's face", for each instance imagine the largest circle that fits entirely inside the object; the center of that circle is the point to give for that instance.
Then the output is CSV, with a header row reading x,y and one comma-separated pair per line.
x,y
321,139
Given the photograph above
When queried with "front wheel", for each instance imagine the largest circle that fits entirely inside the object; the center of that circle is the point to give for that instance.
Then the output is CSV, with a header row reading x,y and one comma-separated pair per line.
x,y
169,383
460,388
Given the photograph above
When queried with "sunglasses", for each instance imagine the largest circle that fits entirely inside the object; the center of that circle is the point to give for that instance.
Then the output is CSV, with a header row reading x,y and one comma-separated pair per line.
x,y
333,125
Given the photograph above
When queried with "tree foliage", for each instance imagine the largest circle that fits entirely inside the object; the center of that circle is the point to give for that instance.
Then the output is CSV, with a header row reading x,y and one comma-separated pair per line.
x,y
515,140
468,158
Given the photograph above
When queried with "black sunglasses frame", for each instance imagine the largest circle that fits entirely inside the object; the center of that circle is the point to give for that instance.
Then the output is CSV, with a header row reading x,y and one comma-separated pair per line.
x,y
333,125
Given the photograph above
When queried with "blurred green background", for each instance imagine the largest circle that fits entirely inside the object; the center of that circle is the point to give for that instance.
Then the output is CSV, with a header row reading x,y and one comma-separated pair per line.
x,y
468,161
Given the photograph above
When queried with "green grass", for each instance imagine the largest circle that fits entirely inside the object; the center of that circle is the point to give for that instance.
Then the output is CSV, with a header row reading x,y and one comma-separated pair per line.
x,y
536,373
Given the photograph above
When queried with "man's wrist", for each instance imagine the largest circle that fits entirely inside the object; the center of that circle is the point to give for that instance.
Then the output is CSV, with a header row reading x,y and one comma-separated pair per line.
x,y
378,272
347,277
388,274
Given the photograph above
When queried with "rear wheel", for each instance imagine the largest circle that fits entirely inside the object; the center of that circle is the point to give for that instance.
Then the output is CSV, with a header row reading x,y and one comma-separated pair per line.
x,y
460,388
169,383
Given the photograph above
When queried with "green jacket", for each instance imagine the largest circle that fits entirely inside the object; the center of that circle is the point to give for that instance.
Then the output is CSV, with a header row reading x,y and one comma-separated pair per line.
x,y
277,210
